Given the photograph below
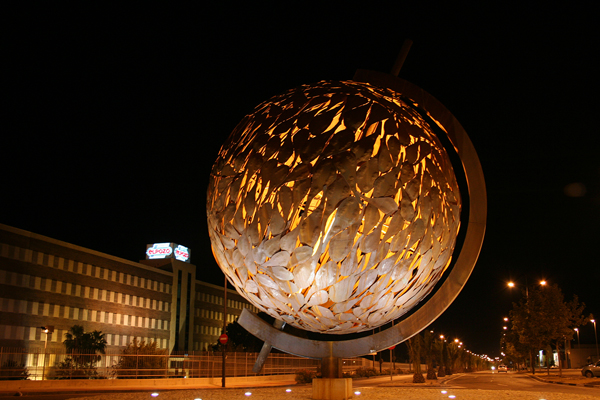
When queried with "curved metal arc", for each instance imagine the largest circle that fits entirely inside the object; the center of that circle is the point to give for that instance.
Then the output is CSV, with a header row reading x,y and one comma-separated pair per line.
x,y
457,278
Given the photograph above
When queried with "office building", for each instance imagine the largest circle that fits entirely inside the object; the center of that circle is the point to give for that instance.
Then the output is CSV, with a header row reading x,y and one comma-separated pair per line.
x,y
47,282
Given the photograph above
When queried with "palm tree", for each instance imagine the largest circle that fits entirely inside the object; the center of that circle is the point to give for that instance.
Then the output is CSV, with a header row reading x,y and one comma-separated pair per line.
x,y
428,350
414,350
441,349
83,346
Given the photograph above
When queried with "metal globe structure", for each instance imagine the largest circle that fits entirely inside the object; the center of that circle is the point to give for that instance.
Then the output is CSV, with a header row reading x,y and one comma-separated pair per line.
x,y
334,207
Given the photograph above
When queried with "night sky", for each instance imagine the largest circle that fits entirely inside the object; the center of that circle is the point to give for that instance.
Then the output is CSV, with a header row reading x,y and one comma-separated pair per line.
x,y
113,118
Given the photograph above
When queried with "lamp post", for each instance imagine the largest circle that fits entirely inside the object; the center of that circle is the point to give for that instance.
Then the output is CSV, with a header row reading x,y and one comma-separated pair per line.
x,y
442,368
511,284
596,335
578,344
48,331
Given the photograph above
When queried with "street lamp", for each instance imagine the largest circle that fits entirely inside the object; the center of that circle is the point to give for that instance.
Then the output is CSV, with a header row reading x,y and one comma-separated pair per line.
x,y
511,284
48,331
578,344
596,334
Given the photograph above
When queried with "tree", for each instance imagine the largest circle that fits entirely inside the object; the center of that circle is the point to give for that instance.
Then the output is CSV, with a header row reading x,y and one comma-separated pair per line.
x,y
83,348
564,331
452,357
542,318
465,360
241,339
429,353
516,352
414,350
78,342
141,359
440,346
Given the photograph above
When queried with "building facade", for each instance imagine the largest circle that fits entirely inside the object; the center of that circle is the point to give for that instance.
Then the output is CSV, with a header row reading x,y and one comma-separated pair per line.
x,y
49,283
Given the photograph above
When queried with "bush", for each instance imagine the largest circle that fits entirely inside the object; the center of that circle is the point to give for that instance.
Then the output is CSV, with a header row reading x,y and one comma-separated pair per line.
x,y
305,376
141,360
366,372
70,369
13,371
396,371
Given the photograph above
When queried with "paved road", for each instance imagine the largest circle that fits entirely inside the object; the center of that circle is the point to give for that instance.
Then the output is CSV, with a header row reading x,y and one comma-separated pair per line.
x,y
512,381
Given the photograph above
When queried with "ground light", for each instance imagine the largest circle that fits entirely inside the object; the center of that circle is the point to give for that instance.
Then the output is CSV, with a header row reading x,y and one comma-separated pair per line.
x,y
155,394
357,393
288,390
248,393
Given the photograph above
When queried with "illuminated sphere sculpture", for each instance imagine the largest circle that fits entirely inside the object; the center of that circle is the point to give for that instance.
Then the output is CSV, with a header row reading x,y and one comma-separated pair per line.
x,y
334,207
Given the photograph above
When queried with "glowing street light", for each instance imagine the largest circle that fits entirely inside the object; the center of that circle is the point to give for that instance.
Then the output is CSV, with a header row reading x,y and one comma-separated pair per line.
x,y
577,330
48,330
511,285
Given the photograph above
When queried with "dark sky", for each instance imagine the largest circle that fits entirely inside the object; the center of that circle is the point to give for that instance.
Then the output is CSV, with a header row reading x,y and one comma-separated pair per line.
x,y
113,118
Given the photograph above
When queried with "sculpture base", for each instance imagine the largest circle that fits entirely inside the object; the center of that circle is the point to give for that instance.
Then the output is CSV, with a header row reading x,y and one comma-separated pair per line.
x,y
332,388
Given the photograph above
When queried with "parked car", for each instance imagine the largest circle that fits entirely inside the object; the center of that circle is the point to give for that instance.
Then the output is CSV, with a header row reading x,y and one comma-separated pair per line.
x,y
591,370
502,368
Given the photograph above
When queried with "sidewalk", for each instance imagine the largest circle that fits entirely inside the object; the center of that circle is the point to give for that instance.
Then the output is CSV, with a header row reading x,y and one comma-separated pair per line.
x,y
372,388
113,385
570,377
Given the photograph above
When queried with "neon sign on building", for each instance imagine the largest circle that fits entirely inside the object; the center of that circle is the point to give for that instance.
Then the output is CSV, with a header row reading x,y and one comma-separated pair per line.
x,y
167,250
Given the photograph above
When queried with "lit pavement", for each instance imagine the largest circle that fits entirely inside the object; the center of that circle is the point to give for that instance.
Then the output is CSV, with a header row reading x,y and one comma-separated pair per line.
x,y
476,386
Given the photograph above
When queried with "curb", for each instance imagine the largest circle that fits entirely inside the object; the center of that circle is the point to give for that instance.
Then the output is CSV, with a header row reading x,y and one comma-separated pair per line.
x,y
590,385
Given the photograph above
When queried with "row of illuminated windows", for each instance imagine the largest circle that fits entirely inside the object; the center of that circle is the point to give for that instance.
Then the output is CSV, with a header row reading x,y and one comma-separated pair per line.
x,y
49,260
231,318
210,314
202,346
79,314
209,298
218,300
33,333
208,330
124,340
54,286
236,304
